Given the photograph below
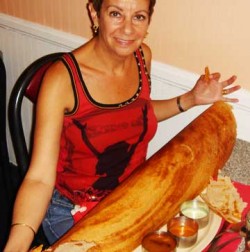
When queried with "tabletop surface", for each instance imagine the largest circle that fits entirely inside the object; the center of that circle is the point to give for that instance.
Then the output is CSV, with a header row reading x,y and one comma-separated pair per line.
x,y
237,167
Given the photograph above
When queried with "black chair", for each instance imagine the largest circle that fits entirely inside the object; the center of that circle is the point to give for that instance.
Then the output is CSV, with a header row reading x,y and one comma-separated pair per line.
x,y
27,86
5,175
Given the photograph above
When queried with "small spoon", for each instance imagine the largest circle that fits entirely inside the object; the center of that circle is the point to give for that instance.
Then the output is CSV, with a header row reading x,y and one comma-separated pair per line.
x,y
233,228
222,245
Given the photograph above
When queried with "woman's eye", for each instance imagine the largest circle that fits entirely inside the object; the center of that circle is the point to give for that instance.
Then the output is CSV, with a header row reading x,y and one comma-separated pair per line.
x,y
114,14
140,17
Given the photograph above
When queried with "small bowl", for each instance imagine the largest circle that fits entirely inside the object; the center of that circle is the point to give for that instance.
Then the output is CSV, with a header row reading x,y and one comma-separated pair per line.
x,y
185,230
159,241
197,210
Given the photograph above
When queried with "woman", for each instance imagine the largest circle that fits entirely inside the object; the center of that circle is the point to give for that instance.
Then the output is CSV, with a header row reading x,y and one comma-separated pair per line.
x,y
94,121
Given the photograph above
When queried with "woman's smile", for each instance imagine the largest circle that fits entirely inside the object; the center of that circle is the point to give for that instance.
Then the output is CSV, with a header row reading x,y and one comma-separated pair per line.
x,y
124,42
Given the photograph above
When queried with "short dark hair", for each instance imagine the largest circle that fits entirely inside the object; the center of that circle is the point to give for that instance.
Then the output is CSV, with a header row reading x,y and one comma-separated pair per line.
x,y
98,4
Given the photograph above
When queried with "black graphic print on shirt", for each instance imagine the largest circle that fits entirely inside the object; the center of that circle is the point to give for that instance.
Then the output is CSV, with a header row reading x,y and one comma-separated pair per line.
x,y
112,162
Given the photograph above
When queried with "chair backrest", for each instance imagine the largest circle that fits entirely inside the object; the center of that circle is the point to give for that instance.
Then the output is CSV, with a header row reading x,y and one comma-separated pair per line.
x,y
4,158
5,166
4,162
27,85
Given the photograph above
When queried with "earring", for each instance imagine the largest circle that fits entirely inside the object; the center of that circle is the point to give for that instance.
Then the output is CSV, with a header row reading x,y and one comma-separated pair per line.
x,y
95,29
146,35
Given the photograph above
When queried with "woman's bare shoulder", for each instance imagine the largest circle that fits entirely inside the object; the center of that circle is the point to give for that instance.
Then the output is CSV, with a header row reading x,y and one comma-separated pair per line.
x,y
57,86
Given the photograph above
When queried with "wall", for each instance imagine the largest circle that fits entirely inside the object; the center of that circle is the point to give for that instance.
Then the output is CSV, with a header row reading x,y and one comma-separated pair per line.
x,y
183,33
22,42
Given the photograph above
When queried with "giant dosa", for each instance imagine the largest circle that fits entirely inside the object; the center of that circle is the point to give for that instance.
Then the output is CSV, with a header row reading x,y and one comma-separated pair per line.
x,y
152,195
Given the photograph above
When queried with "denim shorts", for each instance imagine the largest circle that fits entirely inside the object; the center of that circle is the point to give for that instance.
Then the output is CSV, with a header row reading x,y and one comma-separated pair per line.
x,y
58,219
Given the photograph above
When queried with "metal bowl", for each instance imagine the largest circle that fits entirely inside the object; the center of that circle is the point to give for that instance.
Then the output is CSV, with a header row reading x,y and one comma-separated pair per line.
x,y
159,241
185,230
197,210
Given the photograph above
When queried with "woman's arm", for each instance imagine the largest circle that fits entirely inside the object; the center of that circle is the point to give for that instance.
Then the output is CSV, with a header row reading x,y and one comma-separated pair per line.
x,y
205,91
35,192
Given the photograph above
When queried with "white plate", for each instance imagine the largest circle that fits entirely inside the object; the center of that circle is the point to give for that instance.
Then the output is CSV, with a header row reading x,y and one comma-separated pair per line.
x,y
205,235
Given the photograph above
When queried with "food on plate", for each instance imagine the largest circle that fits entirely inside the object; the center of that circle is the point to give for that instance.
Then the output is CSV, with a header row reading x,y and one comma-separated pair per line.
x,y
207,73
224,199
152,195
37,249
185,229
196,210
159,241
78,246
67,247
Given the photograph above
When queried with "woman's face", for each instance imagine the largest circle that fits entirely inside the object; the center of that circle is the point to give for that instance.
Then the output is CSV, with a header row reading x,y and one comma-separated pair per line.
x,y
123,25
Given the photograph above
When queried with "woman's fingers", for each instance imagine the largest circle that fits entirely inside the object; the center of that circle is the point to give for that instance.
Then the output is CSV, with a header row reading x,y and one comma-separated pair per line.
x,y
229,81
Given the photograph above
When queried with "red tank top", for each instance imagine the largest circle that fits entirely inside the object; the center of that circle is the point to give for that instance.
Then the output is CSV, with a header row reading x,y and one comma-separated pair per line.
x,y
101,144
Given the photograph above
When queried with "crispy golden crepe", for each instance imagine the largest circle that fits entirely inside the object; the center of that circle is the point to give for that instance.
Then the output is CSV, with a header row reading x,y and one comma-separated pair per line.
x,y
152,195
207,73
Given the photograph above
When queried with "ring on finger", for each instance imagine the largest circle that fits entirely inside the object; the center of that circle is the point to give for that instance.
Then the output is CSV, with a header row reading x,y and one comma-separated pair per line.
x,y
224,92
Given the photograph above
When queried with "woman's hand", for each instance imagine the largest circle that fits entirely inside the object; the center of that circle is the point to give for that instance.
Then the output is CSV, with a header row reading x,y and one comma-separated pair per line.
x,y
210,89
207,90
